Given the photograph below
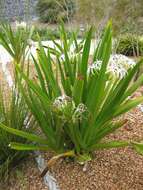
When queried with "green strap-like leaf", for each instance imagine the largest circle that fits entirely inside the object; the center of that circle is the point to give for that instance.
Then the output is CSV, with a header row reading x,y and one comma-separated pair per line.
x,y
80,82
23,134
138,147
86,52
34,87
127,106
24,147
133,87
108,145
104,130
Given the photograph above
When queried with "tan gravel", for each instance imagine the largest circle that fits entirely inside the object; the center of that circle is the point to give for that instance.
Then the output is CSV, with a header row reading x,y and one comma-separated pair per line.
x,y
25,177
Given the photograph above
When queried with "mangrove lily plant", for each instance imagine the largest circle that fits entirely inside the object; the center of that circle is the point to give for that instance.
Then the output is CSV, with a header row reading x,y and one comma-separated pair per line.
x,y
74,103
16,42
15,114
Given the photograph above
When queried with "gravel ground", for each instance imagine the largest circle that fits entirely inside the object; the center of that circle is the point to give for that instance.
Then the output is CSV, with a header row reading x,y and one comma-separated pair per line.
x,y
25,177
116,169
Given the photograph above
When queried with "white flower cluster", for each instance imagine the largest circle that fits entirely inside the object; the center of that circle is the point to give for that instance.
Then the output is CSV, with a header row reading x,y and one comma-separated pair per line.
x,y
118,65
63,107
95,66
79,111
75,113
62,101
20,24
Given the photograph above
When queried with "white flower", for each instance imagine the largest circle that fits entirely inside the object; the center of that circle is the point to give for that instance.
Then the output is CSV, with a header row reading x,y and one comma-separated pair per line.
x,y
63,107
94,66
62,101
79,111
122,61
81,108
20,24
118,65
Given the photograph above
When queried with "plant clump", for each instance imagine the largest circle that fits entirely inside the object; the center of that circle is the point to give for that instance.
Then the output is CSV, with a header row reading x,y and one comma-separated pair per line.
x,y
78,104
53,11
129,45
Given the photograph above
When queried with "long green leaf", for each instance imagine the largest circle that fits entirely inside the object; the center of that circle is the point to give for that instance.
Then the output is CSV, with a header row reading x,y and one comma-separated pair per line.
x,y
24,147
109,145
138,147
23,134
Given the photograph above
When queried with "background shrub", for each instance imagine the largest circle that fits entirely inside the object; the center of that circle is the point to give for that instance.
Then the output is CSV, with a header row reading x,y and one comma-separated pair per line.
x,y
126,15
52,11
47,33
130,45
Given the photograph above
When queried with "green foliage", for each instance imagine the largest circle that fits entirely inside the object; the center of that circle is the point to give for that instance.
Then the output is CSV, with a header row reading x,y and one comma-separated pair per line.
x,y
44,33
47,33
15,42
130,45
23,34
91,11
126,15
13,109
77,108
52,11
13,113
